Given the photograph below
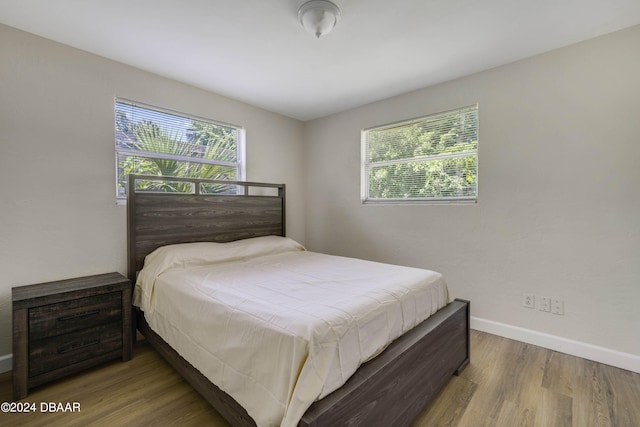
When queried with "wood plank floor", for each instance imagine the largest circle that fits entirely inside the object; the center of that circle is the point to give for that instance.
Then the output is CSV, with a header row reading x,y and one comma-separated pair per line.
x,y
507,383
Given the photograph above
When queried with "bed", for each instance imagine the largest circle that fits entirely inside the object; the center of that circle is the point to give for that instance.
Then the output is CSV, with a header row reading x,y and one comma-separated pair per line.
x,y
389,388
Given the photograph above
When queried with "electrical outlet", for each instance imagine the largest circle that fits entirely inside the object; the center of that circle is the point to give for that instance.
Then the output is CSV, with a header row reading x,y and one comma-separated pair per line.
x,y
557,306
545,304
528,300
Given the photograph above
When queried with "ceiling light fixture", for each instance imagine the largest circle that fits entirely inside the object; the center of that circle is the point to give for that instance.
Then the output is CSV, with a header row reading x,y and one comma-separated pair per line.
x,y
319,16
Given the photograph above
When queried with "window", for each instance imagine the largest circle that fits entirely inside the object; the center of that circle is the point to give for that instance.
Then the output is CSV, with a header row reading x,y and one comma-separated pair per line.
x,y
433,158
153,141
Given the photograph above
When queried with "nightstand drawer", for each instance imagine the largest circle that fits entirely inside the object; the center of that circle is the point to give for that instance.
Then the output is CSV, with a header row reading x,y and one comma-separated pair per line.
x,y
64,350
68,316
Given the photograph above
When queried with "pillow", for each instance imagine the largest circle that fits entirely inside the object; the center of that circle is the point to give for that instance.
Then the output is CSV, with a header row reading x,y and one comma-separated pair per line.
x,y
186,255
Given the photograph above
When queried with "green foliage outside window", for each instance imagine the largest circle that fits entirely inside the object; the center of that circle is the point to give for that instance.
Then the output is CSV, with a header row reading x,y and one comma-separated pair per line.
x,y
152,142
432,158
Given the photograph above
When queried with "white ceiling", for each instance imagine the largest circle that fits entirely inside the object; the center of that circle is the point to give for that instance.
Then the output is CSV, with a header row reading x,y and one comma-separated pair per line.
x,y
256,51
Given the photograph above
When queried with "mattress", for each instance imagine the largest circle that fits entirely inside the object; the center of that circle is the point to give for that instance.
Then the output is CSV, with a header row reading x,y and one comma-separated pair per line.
x,y
275,326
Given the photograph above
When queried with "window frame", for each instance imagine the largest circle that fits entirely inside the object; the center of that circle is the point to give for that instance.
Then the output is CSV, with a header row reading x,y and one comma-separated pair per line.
x,y
240,164
366,165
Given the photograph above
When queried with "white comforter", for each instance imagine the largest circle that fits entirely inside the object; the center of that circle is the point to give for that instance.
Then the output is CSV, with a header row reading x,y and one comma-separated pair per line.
x,y
275,326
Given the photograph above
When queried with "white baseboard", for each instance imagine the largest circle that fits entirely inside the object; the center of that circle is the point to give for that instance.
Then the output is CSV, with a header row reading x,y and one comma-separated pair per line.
x,y
607,356
6,363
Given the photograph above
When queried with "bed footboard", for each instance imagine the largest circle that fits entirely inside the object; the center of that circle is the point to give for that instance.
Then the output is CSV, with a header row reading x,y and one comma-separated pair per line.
x,y
393,388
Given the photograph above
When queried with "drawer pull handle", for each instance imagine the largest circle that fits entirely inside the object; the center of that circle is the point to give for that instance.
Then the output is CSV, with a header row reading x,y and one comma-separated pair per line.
x,y
63,350
79,315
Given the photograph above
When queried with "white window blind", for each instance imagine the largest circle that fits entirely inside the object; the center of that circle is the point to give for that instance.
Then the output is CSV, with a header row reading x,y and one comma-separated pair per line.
x,y
432,158
154,141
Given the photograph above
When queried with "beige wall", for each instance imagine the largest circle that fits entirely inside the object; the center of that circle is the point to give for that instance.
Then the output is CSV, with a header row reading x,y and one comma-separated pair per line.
x,y
559,189
58,215
558,212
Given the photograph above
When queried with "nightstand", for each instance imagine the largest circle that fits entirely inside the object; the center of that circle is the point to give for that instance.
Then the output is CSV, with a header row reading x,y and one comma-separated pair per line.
x,y
63,327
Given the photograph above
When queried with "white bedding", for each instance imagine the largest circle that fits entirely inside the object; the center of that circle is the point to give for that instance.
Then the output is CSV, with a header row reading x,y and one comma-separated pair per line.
x,y
275,326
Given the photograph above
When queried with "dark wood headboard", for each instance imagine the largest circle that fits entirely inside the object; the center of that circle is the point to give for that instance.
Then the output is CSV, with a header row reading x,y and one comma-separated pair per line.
x,y
243,210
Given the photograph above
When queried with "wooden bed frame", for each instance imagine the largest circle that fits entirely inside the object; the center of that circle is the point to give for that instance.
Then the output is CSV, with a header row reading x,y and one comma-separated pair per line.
x,y
389,390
